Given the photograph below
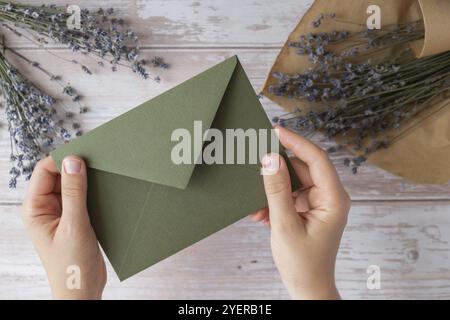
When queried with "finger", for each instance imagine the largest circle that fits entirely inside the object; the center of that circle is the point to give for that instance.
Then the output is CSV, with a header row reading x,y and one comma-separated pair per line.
x,y
302,171
301,202
44,178
260,215
73,190
322,172
277,184
57,189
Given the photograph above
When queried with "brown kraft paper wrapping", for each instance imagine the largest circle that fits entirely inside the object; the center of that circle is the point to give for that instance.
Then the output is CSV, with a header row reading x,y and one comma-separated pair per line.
x,y
420,150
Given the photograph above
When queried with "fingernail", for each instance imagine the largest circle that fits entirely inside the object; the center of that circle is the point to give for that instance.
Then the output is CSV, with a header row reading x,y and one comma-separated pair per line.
x,y
72,166
270,163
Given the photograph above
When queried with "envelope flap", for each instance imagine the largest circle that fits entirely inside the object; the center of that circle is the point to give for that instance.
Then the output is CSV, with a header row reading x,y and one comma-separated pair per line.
x,y
138,143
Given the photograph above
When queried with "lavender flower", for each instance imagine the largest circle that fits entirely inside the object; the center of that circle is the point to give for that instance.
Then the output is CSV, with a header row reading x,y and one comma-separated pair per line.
x,y
101,34
361,101
32,121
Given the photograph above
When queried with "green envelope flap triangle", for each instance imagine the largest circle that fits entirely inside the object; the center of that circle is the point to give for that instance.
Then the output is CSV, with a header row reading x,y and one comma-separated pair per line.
x,y
138,143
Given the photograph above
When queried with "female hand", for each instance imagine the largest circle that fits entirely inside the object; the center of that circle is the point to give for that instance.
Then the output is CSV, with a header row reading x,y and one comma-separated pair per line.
x,y
56,218
307,225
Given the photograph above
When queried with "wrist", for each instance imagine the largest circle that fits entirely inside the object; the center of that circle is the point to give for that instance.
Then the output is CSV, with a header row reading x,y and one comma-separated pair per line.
x,y
62,292
323,292
86,288
313,287
76,295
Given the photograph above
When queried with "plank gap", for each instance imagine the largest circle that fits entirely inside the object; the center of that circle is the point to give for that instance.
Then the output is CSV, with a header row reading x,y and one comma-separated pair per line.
x,y
164,47
419,201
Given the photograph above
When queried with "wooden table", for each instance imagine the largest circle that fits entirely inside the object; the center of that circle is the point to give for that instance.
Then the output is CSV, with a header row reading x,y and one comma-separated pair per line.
x,y
403,228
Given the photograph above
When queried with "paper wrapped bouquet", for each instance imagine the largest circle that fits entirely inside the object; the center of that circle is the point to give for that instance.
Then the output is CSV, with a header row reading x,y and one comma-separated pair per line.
x,y
419,150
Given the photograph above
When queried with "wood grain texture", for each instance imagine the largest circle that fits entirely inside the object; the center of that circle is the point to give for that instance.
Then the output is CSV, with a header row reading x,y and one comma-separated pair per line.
x,y
202,23
409,242
402,227
109,94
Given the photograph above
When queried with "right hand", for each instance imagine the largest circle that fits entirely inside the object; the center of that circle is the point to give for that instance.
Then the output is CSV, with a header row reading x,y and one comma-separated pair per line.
x,y
307,225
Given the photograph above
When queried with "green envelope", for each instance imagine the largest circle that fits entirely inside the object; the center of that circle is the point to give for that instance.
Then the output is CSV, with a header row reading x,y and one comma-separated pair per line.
x,y
142,206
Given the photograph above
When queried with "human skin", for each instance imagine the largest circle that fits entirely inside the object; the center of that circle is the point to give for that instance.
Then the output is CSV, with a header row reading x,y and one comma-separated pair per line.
x,y
56,217
306,226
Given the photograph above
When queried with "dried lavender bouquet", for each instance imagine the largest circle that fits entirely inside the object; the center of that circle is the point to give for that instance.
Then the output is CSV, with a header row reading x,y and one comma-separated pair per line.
x,y
34,121
101,34
356,97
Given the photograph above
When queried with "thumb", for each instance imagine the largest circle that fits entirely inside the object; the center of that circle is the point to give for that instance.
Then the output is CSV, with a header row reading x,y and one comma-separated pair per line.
x,y
73,190
277,184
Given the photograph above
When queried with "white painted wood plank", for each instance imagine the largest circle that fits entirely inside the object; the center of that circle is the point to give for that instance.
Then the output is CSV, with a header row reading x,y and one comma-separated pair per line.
x,y
408,241
175,23
109,94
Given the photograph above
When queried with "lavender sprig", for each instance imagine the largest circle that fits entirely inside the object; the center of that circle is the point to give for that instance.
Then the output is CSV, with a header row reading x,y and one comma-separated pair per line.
x,y
376,101
33,121
361,102
101,34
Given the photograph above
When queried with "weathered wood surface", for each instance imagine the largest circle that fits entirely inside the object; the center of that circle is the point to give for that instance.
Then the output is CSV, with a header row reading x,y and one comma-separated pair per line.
x,y
402,227
408,241
109,94
201,23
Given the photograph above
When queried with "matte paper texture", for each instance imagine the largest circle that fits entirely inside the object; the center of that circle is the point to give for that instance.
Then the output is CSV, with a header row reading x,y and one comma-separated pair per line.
x,y
145,208
416,151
